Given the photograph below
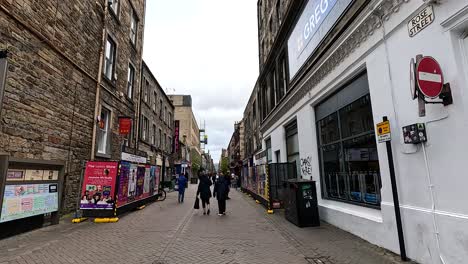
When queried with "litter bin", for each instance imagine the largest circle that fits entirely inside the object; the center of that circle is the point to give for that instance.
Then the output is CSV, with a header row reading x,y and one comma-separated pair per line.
x,y
194,180
301,206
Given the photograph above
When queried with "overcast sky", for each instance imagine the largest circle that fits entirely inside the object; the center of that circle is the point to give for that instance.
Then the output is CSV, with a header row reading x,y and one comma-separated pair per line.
x,y
208,49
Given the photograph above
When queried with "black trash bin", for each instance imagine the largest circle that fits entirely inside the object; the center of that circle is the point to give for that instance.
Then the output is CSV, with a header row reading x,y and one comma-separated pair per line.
x,y
301,207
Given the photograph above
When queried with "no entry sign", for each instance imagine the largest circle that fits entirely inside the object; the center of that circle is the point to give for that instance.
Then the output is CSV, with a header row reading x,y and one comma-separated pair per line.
x,y
429,77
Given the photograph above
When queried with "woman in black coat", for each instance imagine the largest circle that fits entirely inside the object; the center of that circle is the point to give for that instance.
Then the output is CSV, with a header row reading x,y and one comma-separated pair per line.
x,y
220,192
204,192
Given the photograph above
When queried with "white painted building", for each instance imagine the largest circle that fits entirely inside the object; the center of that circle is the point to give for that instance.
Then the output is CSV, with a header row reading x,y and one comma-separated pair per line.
x,y
362,77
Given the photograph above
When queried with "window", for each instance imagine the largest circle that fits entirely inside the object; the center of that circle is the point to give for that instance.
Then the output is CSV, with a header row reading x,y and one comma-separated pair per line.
x,y
254,110
160,139
164,114
114,6
347,146
164,146
155,96
278,11
130,81
153,136
160,109
282,78
146,91
268,149
133,27
109,63
104,131
169,117
292,145
144,128
278,156
169,144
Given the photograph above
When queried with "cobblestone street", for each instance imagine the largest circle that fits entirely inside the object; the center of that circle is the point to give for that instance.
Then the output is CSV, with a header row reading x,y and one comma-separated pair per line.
x,y
166,232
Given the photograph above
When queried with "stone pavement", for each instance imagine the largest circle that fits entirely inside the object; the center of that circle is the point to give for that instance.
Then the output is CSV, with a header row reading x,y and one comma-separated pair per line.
x,y
168,232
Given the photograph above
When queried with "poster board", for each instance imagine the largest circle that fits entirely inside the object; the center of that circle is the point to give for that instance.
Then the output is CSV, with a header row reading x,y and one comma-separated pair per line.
x,y
136,182
29,187
98,189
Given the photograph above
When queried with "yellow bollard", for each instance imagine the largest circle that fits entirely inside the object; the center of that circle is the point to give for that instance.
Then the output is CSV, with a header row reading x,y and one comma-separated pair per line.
x,y
106,220
141,207
269,211
79,220
257,201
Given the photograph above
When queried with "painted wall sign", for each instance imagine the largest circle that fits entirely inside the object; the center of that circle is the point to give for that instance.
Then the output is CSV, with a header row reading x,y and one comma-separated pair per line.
x,y
317,19
419,22
429,77
176,136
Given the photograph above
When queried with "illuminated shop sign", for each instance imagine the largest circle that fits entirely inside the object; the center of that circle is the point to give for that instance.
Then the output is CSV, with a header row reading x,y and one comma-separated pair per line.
x,y
317,19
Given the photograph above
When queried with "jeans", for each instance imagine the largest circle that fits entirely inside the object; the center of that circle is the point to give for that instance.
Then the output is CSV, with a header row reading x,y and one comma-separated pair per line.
x,y
181,196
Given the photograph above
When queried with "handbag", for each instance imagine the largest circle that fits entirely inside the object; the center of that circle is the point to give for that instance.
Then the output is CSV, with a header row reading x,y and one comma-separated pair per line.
x,y
197,203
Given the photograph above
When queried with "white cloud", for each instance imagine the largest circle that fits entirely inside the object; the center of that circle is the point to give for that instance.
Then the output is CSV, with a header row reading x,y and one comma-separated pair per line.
x,y
208,49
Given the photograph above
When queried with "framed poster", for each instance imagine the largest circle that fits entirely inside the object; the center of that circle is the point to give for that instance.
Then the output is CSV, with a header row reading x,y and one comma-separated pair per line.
x,y
15,175
99,185
34,175
25,200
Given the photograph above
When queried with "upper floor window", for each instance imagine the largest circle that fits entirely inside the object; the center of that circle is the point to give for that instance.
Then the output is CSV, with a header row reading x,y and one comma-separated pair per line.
x,y
153,136
133,27
114,6
154,101
278,11
164,115
130,81
160,109
144,128
146,91
109,63
103,137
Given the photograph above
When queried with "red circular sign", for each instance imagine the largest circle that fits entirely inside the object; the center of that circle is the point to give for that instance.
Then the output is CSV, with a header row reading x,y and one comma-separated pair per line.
x,y
429,77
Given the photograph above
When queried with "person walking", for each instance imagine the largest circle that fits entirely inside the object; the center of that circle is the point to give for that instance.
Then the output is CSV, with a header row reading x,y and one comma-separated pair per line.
x,y
220,192
204,191
182,182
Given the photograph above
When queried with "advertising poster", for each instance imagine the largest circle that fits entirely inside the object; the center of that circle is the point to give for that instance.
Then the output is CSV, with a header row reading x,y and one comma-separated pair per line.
x,y
123,183
25,200
132,182
158,178
34,175
99,185
15,175
146,184
140,182
50,175
153,190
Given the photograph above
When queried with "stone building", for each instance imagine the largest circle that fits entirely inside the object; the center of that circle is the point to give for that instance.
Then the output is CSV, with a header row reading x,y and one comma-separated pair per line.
x,y
188,127
329,74
156,124
61,55
234,150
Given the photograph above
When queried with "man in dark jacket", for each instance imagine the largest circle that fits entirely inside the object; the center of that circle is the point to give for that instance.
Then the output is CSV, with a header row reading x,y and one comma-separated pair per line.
x,y
220,192
204,191
182,182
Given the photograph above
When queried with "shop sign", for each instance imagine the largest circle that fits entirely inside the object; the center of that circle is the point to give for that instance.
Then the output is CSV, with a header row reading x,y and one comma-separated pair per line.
x,y
125,125
383,131
419,22
133,158
317,19
429,77
176,136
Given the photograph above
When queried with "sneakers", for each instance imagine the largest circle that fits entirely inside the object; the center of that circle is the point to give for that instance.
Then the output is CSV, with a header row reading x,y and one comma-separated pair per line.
x,y
220,214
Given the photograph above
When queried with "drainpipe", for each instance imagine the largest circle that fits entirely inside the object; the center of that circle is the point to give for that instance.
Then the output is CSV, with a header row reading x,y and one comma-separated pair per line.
x,y
138,112
97,110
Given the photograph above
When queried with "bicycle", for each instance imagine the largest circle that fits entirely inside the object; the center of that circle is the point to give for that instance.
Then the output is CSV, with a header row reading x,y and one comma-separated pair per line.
x,y
161,194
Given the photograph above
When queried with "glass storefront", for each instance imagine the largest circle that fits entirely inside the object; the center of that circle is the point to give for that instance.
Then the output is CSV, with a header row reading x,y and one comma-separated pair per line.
x,y
347,146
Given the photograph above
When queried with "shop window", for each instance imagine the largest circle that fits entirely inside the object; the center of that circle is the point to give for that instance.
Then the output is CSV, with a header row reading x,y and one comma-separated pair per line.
x,y
103,136
347,146
292,145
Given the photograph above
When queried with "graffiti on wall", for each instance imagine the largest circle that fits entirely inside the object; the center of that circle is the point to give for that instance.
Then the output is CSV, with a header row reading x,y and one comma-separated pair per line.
x,y
306,166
